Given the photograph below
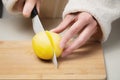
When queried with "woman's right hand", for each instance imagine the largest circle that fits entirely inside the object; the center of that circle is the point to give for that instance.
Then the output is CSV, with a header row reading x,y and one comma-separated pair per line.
x,y
26,6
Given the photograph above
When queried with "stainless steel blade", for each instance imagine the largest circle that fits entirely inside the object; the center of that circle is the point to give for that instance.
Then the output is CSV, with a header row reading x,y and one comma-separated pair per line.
x,y
54,60
37,25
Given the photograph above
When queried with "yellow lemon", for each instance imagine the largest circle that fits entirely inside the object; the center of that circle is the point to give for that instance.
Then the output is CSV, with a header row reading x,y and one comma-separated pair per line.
x,y
44,45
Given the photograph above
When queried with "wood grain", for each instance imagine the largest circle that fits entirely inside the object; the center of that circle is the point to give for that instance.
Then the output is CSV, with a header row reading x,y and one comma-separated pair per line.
x,y
18,61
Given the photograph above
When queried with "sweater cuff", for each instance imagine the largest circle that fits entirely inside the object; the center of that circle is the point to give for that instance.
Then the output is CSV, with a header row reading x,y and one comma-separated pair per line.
x,y
9,4
97,11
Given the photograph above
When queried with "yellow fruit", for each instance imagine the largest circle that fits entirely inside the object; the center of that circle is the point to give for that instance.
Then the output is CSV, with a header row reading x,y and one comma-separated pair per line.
x,y
44,45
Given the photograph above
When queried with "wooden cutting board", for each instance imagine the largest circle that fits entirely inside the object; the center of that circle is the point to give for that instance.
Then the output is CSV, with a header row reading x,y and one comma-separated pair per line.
x,y
18,61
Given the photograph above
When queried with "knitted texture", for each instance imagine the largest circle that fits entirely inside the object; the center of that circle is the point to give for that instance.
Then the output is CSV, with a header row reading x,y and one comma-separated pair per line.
x,y
9,5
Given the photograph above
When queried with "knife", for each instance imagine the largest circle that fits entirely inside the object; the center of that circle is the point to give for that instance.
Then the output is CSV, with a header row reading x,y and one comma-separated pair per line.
x,y
38,27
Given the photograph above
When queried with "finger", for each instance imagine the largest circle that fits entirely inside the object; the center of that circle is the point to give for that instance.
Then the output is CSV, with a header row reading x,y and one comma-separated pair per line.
x,y
28,7
38,6
20,5
83,19
75,28
82,39
64,24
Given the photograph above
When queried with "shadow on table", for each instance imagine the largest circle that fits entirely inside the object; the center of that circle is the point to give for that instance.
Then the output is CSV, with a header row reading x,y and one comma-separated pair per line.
x,y
114,37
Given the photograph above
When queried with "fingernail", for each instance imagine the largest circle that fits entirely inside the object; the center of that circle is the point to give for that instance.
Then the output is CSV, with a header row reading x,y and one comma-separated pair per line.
x,y
26,12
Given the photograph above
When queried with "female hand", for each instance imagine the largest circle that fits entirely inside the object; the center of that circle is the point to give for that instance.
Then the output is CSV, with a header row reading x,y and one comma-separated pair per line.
x,y
82,23
26,6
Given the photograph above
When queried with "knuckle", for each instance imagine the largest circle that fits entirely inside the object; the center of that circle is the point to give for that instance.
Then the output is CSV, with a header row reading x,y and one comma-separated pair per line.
x,y
75,30
72,32
94,23
69,16
87,17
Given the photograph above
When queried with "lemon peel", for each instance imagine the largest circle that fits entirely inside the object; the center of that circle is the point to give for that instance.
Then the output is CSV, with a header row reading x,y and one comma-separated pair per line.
x,y
43,44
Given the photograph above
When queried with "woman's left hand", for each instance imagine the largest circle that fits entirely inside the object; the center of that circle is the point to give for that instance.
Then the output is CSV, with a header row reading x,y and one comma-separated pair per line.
x,y
82,23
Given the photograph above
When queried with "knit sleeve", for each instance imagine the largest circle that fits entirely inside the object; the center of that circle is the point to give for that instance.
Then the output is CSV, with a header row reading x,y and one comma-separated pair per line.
x,y
104,11
9,4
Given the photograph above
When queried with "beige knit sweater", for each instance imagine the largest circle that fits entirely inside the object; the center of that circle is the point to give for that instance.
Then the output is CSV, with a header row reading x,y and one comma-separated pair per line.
x,y
105,11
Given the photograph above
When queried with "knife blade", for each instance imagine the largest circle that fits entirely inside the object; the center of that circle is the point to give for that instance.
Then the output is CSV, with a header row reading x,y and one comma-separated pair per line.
x,y
38,27
54,59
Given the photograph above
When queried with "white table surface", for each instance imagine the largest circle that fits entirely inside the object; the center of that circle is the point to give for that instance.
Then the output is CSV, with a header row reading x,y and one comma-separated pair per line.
x,y
112,52
21,29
